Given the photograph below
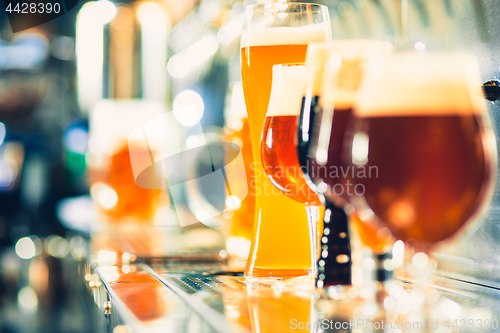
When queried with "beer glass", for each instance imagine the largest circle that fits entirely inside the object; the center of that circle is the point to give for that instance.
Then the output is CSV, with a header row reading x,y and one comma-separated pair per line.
x,y
110,173
421,126
278,144
276,33
335,73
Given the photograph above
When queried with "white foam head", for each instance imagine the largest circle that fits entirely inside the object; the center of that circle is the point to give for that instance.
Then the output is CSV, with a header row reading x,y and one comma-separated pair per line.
x,y
286,35
288,88
316,59
356,48
346,61
410,84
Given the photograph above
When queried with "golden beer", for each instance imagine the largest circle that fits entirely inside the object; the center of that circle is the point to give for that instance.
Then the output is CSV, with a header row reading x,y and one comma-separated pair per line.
x,y
280,245
243,216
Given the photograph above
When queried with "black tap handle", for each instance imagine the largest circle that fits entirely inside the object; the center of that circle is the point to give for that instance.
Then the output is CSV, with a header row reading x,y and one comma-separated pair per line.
x,y
334,264
491,90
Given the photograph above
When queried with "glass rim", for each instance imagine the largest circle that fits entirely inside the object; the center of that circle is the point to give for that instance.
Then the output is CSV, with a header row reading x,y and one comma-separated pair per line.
x,y
414,74
261,6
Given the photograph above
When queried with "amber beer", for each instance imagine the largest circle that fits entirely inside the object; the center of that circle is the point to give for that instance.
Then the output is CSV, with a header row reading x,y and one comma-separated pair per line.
x,y
280,220
281,161
348,76
424,131
344,64
278,144
440,164
332,169
334,73
131,200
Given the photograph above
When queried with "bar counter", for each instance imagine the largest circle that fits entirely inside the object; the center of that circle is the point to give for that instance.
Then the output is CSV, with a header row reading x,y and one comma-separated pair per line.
x,y
136,293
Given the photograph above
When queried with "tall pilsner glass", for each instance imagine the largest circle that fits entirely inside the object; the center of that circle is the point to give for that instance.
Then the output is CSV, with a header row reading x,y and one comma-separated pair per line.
x,y
276,34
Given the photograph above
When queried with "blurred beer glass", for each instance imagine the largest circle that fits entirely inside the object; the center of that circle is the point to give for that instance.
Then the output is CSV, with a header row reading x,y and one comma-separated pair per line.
x,y
121,51
111,177
423,124
240,211
276,33
336,72
317,58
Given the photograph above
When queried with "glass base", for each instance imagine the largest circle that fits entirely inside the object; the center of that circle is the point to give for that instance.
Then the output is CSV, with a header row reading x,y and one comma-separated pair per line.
x,y
276,273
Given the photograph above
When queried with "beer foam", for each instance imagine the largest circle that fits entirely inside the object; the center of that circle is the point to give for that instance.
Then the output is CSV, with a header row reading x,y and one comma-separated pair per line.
x,y
346,61
341,88
410,84
286,35
316,59
288,87
355,48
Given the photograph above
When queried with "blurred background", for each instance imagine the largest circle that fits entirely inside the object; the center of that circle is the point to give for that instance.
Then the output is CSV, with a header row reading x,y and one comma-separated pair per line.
x,y
173,53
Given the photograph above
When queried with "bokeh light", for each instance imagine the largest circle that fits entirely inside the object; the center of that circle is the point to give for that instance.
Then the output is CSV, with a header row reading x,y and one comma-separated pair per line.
x,y
56,246
25,248
188,108
27,299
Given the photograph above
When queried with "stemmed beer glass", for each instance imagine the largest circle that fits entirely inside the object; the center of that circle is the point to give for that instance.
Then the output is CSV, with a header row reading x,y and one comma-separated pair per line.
x,y
276,33
421,122
278,144
335,76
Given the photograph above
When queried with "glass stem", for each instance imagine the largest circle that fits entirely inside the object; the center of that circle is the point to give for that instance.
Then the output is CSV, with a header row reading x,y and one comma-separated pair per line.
x,y
313,214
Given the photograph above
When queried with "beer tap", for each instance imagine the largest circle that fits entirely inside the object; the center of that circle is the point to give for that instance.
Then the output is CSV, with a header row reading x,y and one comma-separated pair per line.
x,y
491,90
334,264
